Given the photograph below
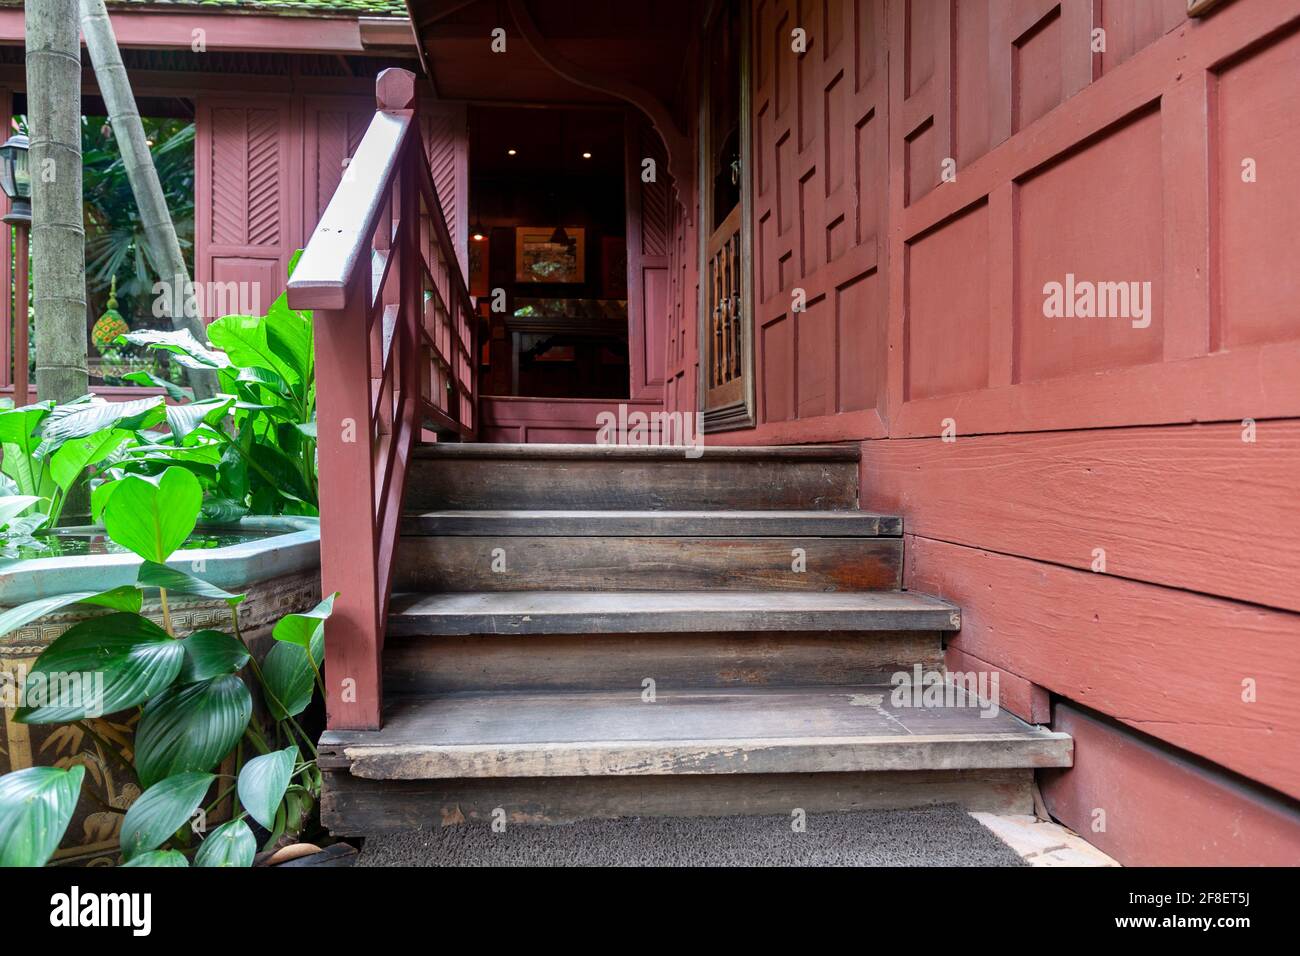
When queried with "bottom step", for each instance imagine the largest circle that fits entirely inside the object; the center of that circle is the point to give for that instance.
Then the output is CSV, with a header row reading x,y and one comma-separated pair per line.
x,y
559,757
723,731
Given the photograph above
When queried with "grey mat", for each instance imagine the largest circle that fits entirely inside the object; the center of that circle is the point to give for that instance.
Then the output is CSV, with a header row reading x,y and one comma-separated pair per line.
x,y
930,836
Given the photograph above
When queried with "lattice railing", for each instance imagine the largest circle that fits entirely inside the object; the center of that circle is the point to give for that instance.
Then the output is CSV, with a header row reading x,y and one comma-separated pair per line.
x,y
394,328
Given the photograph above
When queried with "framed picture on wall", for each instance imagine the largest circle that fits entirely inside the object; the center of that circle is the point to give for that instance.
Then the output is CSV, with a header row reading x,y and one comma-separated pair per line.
x,y
613,267
478,267
551,254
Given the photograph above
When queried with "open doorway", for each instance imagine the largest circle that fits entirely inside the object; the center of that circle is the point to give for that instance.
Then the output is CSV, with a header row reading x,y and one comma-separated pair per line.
x,y
548,252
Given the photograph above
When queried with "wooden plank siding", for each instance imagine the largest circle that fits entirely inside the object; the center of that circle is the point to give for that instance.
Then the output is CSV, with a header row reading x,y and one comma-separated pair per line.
x,y
977,151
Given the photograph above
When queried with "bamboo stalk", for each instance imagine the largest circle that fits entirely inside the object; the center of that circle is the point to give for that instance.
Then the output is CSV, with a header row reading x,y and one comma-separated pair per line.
x,y
160,232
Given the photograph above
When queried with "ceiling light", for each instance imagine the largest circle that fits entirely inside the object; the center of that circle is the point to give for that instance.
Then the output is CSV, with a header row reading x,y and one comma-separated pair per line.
x,y
511,152
586,155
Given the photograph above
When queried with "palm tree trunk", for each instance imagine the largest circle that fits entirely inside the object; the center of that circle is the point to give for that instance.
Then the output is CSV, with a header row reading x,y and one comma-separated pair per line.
x,y
160,232
58,232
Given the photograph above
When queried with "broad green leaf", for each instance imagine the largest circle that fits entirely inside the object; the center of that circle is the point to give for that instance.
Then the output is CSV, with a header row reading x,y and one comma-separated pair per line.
x,y
211,654
159,858
307,428
184,419
231,844
144,377
288,677
189,351
289,334
301,628
244,338
223,510
162,810
36,806
191,727
124,598
74,456
154,516
11,506
79,419
98,667
156,575
19,442
262,784
99,496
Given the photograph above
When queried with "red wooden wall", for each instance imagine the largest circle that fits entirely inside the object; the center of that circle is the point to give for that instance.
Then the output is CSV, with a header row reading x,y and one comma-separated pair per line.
x,y
1076,439
265,172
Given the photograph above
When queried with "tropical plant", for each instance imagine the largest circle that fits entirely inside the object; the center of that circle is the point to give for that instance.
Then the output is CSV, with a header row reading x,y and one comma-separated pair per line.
x,y
266,462
252,447
194,699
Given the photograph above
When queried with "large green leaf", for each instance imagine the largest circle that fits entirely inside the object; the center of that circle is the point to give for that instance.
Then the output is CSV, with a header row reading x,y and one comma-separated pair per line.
x,y
301,628
144,377
124,598
132,657
154,516
159,858
231,844
74,456
244,338
189,351
289,334
36,806
162,810
184,419
11,506
262,784
19,442
156,575
289,678
79,419
191,727
211,654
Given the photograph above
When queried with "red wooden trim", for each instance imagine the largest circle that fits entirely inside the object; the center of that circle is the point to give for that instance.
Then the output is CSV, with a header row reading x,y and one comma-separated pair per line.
x,y
1021,697
226,30
1190,506
1147,805
1164,661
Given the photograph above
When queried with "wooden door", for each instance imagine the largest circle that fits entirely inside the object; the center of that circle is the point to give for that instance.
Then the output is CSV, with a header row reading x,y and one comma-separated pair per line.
x,y
726,300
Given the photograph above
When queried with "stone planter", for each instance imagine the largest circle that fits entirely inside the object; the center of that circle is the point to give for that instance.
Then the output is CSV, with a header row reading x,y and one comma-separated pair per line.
x,y
280,574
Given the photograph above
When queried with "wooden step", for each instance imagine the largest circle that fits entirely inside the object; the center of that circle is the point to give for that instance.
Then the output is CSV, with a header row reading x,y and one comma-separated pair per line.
x,y
651,612
524,477
424,665
751,731
562,563
643,524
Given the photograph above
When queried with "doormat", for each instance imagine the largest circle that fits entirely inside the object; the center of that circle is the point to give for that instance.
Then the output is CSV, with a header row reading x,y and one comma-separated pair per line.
x,y
944,835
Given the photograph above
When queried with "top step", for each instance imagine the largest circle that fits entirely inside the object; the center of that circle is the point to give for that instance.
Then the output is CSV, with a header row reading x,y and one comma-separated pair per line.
x,y
598,477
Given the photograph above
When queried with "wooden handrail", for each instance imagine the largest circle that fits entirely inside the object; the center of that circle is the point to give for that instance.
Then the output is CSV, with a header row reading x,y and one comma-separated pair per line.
x,y
388,368
344,233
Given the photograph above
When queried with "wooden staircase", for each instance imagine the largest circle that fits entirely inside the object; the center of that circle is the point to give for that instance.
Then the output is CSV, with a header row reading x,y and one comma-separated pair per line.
x,y
582,631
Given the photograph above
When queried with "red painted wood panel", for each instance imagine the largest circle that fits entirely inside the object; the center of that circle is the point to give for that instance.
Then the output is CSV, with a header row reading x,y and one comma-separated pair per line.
x,y
1148,806
550,420
1190,506
1023,698
648,243
1165,661
248,198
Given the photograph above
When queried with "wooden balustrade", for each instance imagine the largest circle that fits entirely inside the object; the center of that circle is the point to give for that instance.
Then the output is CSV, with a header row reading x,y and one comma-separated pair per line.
x,y
394,328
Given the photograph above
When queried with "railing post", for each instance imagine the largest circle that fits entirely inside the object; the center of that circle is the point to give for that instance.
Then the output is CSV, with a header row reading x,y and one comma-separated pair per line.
x,y
349,538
